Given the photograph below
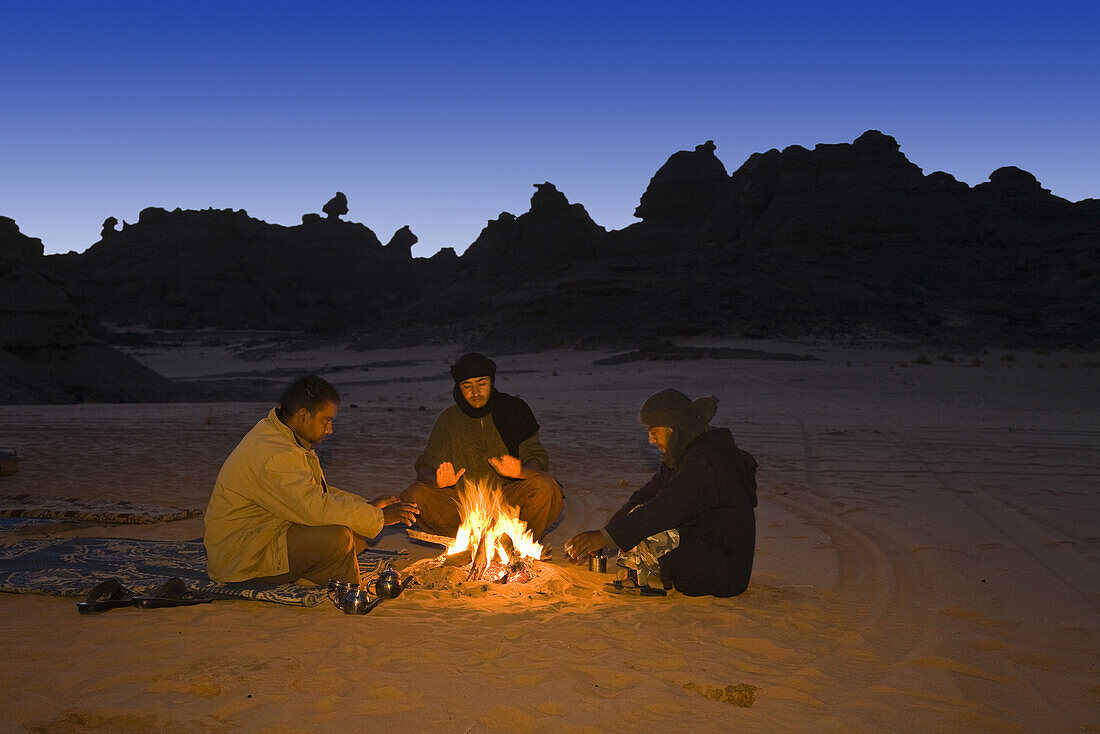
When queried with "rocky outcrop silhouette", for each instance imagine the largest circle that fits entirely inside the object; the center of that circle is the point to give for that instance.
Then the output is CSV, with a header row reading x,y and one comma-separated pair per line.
x,y
401,244
336,207
843,239
688,187
187,269
49,351
853,235
552,231
109,230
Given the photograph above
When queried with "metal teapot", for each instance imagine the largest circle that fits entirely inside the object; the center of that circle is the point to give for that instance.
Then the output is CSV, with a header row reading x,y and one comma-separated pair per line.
x,y
388,584
358,601
350,598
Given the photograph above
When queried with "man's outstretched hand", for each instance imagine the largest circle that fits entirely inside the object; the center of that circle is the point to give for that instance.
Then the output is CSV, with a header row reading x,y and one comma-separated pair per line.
x,y
395,511
507,466
583,545
445,475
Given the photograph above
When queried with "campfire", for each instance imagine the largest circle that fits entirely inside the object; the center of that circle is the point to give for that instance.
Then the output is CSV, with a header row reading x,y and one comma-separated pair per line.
x,y
492,540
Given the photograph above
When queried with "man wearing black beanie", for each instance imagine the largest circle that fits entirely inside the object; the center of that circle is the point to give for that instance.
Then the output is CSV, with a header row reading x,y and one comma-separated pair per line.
x,y
486,438
693,524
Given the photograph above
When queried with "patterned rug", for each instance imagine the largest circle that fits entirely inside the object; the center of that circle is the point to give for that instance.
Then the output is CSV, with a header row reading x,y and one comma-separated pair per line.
x,y
73,566
12,526
90,510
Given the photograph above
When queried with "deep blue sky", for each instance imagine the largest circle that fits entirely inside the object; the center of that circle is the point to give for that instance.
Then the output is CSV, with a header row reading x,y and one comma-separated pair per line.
x,y
442,115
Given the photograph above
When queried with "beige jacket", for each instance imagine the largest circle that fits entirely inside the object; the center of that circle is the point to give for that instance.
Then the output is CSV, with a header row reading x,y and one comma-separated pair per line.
x,y
267,483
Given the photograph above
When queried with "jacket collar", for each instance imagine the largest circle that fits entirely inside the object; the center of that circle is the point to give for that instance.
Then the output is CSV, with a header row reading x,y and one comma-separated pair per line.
x,y
284,429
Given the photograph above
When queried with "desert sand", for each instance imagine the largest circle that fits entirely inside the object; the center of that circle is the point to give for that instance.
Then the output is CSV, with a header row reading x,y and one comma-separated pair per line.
x,y
927,558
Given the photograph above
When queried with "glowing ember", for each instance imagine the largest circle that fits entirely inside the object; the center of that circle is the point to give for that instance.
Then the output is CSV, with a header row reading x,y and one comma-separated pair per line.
x,y
491,530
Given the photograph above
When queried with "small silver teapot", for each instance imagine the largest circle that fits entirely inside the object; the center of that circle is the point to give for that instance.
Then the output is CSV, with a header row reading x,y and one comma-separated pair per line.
x,y
351,598
388,584
358,601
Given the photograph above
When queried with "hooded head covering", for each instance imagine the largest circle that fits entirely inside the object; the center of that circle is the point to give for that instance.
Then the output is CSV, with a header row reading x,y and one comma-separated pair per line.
x,y
512,417
687,418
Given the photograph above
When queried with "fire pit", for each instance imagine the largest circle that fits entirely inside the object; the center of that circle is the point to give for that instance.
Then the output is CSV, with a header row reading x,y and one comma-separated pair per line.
x,y
492,543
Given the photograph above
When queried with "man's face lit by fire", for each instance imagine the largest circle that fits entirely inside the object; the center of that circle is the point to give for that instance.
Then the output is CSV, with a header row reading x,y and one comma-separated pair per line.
x,y
658,436
476,390
314,427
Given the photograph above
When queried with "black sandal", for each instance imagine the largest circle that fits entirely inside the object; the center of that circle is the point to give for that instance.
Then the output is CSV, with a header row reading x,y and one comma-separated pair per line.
x,y
109,594
172,593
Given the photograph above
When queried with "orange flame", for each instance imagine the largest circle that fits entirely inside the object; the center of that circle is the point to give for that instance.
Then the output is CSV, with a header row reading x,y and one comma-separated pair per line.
x,y
485,513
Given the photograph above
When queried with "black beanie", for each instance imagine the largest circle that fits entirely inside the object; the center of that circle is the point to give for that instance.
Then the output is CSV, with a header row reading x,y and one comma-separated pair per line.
x,y
473,365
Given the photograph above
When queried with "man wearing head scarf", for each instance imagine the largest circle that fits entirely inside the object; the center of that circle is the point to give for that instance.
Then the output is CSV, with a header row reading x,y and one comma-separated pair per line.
x,y
693,523
487,438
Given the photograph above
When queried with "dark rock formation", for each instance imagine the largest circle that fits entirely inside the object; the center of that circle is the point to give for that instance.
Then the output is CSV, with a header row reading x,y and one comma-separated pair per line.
x,y
686,188
186,269
551,233
336,207
836,197
109,225
400,245
48,350
844,239
35,310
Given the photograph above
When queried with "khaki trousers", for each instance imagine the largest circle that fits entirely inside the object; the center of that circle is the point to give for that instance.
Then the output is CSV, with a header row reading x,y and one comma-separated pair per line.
x,y
320,554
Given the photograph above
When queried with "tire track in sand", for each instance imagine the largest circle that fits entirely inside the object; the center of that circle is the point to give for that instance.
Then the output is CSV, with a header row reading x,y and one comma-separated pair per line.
x,y
1059,558
874,611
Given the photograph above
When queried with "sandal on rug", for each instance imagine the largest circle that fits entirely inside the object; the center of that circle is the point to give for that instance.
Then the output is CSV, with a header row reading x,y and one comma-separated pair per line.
x,y
172,593
109,594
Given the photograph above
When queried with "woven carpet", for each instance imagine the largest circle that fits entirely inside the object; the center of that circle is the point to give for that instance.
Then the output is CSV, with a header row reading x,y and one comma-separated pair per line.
x,y
73,566
90,510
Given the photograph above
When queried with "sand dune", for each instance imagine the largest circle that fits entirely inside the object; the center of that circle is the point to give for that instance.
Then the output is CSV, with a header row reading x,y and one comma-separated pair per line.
x,y
927,559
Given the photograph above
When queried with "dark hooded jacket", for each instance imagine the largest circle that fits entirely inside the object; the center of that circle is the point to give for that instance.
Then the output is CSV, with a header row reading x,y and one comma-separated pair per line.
x,y
709,499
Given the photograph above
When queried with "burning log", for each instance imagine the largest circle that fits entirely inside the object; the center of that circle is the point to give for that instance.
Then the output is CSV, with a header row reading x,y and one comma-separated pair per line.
x,y
480,560
491,539
506,544
462,558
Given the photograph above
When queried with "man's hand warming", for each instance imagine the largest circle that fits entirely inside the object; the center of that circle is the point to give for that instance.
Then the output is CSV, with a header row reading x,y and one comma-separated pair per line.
x,y
445,475
507,466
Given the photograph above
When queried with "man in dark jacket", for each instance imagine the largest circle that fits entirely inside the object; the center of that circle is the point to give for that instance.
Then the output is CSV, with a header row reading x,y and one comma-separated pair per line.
x,y
487,439
693,522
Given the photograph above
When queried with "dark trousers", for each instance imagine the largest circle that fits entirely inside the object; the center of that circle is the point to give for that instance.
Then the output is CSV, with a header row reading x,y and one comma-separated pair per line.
x,y
699,567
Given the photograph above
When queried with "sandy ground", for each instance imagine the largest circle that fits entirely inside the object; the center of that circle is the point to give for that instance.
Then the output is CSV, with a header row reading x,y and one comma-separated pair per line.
x,y
927,559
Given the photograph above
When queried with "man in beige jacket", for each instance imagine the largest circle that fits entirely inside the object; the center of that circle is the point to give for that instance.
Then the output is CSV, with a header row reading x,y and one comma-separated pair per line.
x,y
273,518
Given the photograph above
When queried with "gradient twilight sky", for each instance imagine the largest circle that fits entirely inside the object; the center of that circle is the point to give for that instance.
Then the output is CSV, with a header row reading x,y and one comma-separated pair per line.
x,y
441,115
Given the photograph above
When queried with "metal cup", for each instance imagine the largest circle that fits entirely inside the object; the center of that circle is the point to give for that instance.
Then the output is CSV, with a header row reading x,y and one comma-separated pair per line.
x,y
598,564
